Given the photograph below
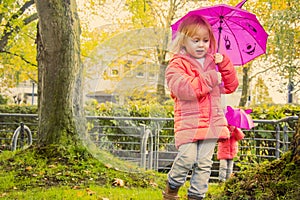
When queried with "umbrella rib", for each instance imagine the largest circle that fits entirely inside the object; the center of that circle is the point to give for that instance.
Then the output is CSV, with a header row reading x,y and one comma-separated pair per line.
x,y
234,35
236,41
232,15
263,30
255,20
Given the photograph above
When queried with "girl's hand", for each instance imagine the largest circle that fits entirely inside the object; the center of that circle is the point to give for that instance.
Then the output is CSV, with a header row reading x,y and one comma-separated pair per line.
x,y
219,77
218,58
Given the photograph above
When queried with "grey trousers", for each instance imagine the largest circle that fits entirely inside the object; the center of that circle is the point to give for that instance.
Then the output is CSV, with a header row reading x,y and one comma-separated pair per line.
x,y
196,156
225,169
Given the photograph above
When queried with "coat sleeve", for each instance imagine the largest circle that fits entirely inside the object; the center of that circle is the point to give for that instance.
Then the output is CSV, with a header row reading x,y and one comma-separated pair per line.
x,y
238,134
229,75
189,87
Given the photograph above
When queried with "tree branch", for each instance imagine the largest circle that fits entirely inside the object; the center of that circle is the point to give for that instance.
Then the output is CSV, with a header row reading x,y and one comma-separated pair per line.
x,y
260,72
22,10
22,58
30,19
8,31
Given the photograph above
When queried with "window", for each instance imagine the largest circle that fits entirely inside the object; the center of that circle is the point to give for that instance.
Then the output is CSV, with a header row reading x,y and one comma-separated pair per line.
x,y
140,71
152,71
128,68
114,72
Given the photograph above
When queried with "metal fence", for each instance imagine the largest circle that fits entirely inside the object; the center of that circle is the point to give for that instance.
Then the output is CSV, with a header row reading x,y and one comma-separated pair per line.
x,y
149,142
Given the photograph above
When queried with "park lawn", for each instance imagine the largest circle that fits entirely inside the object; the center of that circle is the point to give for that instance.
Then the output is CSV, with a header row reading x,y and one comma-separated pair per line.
x,y
28,175
93,192
99,193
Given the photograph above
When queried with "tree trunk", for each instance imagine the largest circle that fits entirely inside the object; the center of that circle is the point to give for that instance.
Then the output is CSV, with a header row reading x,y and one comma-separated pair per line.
x,y
60,72
162,52
245,86
161,82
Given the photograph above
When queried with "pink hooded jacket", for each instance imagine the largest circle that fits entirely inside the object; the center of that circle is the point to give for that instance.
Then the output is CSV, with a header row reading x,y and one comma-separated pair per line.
x,y
198,114
228,149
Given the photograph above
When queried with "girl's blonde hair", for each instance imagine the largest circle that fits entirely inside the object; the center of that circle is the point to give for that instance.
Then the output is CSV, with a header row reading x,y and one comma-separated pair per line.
x,y
188,28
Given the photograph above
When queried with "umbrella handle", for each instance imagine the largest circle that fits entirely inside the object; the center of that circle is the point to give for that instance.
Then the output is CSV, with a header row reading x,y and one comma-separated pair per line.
x,y
218,48
220,30
219,39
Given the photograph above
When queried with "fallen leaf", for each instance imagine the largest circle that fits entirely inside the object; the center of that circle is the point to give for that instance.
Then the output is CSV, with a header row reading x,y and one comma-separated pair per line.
x,y
3,194
118,182
90,192
76,187
153,184
108,166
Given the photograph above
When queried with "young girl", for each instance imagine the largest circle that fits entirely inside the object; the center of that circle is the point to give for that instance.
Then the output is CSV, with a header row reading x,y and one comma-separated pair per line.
x,y
199,120
227,150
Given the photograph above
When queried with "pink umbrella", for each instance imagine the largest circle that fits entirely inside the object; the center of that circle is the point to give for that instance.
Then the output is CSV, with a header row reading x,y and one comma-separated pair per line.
x,y
239,118
238,32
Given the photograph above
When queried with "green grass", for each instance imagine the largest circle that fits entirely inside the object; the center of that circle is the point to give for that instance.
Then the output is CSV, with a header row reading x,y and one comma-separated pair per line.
x,y
57,173
96,192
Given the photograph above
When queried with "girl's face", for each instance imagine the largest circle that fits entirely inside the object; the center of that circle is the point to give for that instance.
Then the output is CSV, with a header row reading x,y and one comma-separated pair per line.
x,y
197,45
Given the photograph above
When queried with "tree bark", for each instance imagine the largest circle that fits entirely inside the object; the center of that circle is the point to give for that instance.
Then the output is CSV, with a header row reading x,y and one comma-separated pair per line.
x,y
245,86
60,72
161,82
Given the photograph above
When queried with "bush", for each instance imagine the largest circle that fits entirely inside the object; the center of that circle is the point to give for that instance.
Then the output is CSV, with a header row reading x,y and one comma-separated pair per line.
x,y
3,100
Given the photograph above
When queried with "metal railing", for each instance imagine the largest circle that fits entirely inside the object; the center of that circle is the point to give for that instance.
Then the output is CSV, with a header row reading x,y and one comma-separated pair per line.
x,y
149,142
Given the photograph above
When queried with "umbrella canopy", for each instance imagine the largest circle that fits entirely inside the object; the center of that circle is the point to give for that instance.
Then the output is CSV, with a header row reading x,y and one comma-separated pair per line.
x,y
238,32
239,118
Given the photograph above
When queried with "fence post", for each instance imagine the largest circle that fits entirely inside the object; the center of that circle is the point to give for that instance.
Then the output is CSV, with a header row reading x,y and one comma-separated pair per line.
x,y
277,151
150,163
285,138
145,135
143,148
156,143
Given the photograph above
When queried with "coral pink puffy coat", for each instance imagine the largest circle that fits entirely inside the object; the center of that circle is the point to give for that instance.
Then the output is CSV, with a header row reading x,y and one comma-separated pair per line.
x,y
228,149
198,114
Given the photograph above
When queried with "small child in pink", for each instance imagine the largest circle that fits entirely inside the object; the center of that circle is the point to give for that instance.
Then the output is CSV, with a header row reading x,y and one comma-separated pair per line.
x,y
227,150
